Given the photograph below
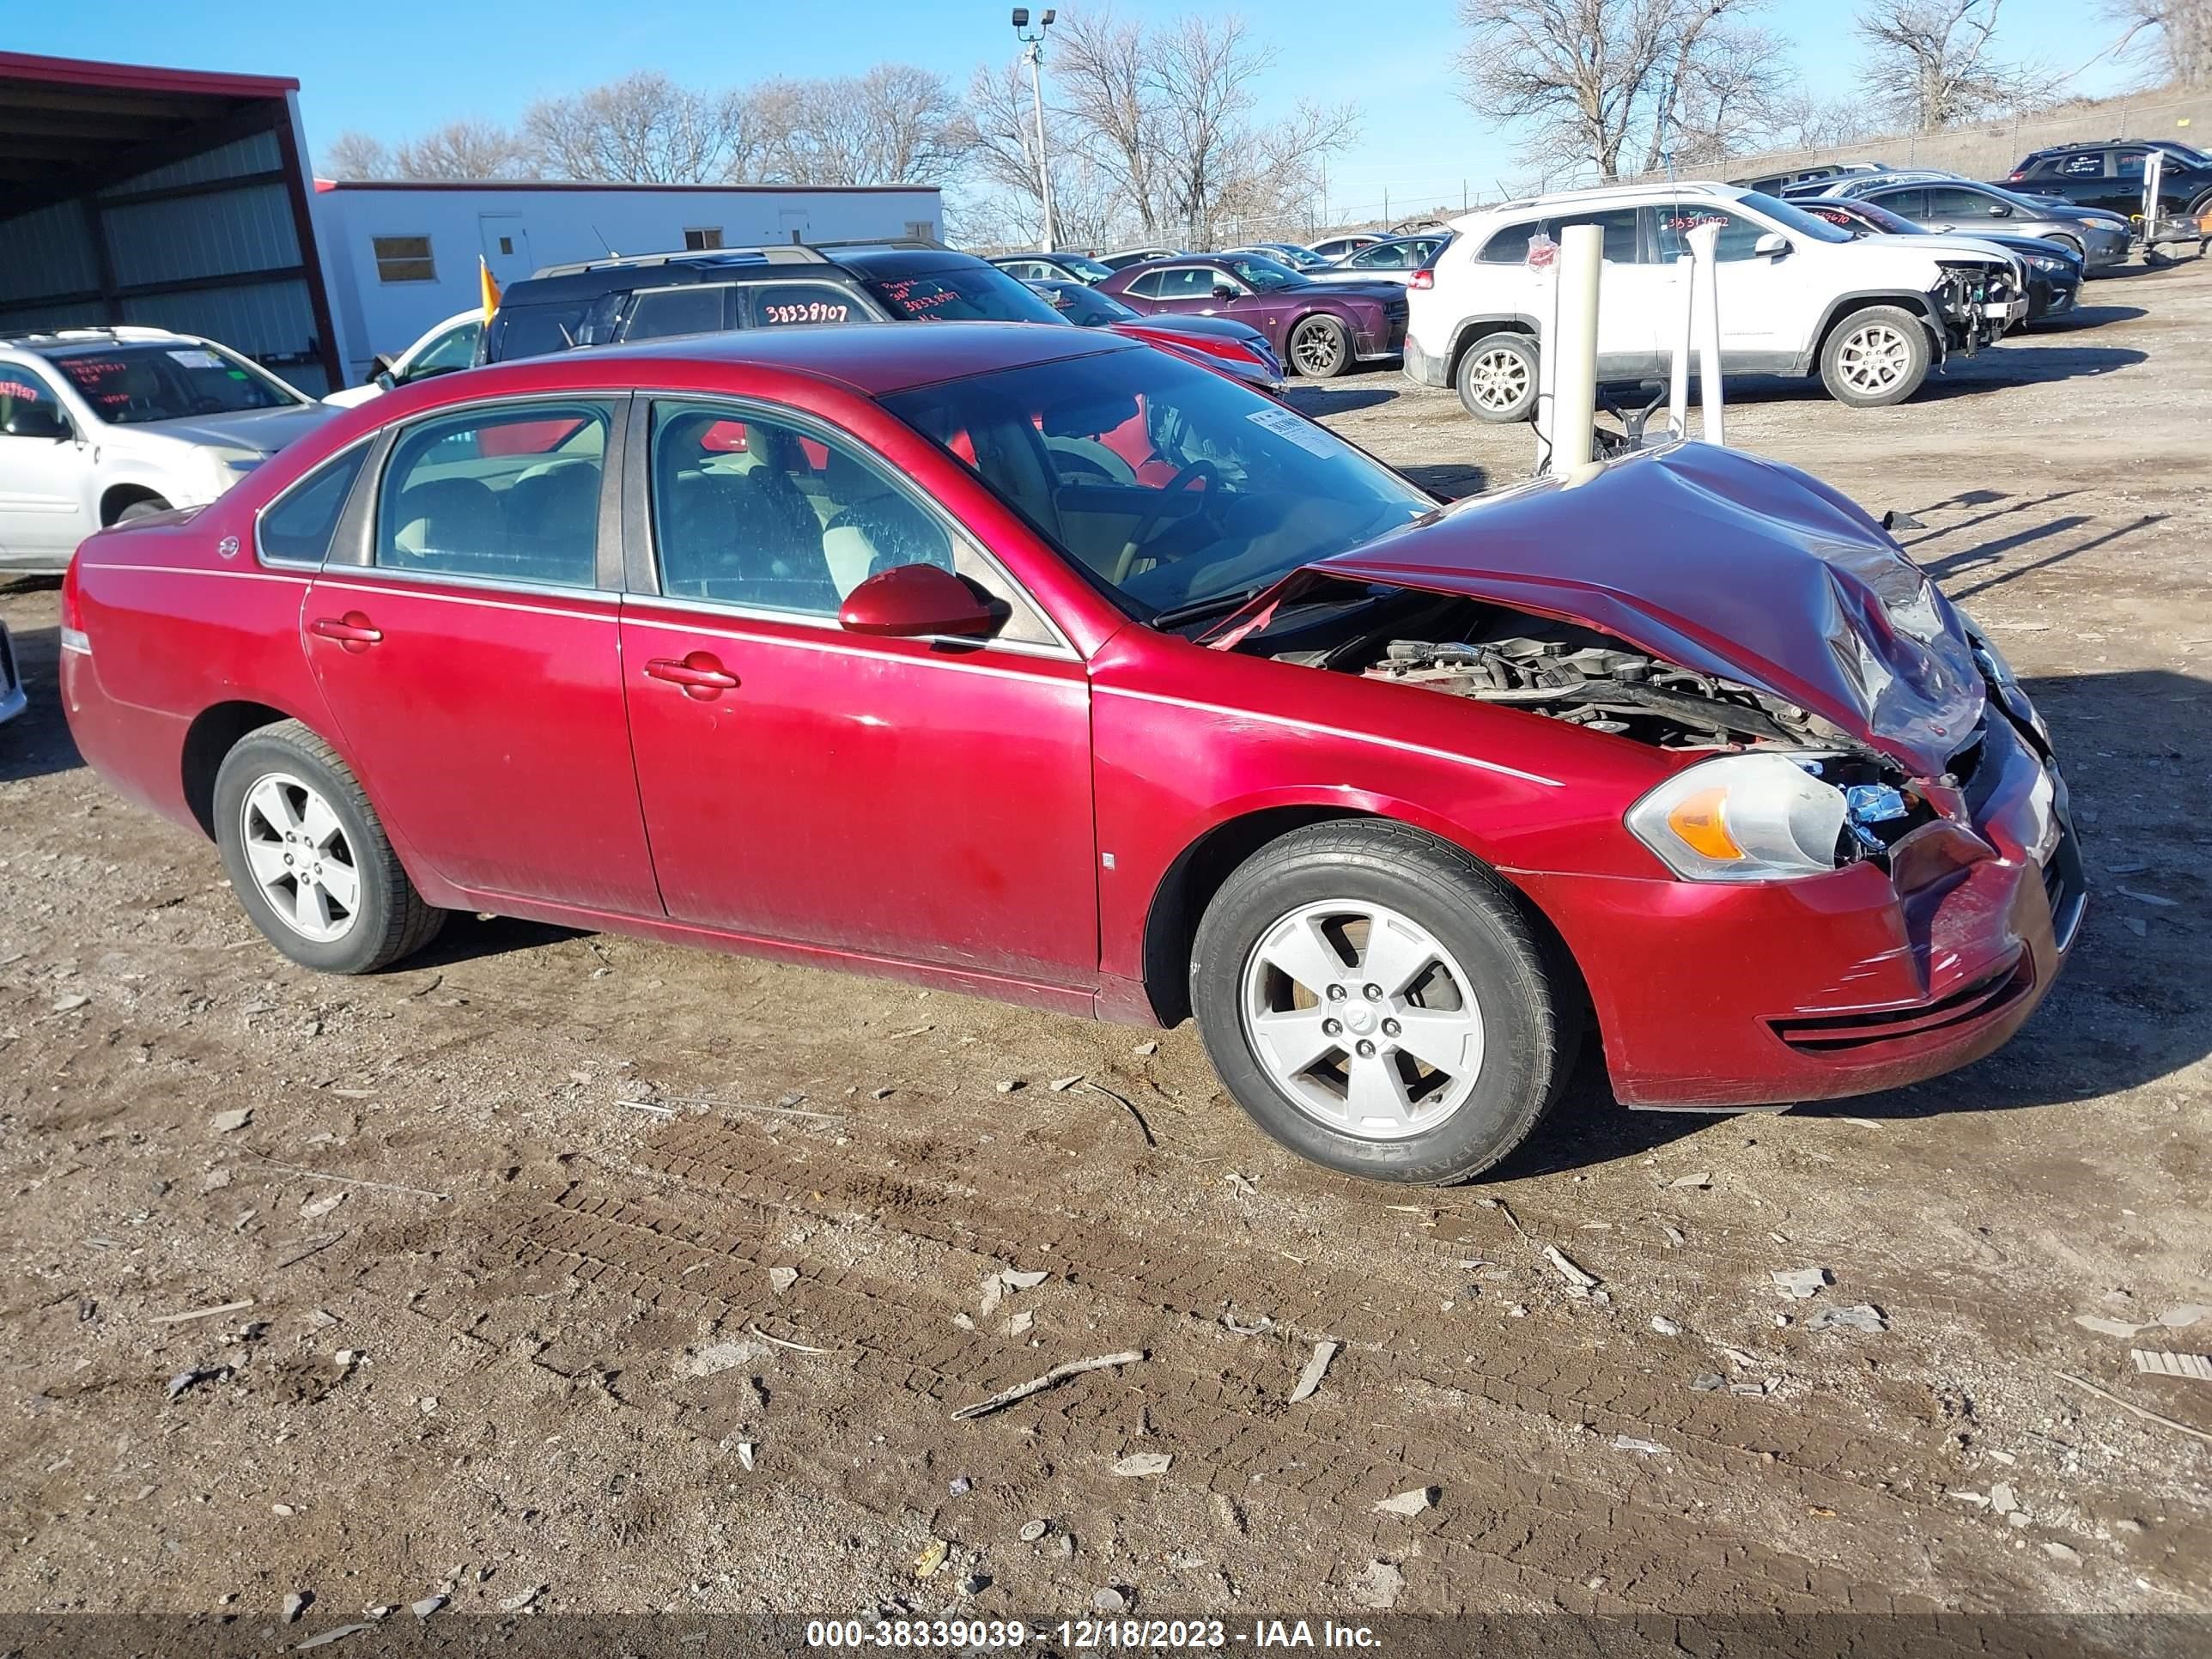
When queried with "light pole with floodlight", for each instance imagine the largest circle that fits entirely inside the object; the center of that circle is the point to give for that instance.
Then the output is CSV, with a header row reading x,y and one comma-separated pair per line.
x,y
1033,44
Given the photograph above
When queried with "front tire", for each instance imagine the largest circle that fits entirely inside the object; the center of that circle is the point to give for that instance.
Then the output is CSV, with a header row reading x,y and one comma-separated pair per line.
x,y
308,857
1377,1003
1321,350
1875,357
1497,379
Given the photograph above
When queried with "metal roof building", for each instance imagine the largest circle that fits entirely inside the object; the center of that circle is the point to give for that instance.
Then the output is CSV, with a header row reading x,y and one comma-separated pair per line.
x,y
163,197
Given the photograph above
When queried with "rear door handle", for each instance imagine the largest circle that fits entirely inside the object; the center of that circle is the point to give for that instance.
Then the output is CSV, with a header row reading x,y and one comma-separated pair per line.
x,y
700,674
351,631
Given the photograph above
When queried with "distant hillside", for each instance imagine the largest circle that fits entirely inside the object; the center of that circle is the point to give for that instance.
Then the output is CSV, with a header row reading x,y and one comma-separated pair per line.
x,y
1989,149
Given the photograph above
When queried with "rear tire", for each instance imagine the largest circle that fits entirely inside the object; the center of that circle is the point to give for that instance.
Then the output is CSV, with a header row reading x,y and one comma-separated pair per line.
x,y
308,857
1320,348
1497,379
142,509
1461,978
1875,357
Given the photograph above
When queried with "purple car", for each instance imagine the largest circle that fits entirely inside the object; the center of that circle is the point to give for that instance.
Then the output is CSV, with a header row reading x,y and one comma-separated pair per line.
x,y
1319,328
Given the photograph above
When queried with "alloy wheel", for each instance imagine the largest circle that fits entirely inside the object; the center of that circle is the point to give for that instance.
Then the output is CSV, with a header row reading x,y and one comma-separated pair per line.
x,y
1359,1015
1499,378
1874,358
1316,350
300,857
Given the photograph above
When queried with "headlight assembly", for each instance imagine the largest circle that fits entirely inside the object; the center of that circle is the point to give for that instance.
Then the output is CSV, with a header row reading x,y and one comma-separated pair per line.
x,y
1756,817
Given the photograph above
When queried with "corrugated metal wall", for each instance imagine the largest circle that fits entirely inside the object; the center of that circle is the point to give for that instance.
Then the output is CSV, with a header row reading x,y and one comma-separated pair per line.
x,y
187,244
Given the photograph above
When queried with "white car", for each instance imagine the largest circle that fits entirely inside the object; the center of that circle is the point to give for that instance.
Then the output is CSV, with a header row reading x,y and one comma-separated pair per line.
x,y
1392,261
1798,296
450,345
99,425
1340,248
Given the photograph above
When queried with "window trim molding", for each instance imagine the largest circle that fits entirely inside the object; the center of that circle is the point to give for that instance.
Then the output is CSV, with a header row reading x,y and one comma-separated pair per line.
x,y
267,560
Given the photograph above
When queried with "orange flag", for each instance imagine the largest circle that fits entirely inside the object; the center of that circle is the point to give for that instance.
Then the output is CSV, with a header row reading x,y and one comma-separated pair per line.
x,y
490,288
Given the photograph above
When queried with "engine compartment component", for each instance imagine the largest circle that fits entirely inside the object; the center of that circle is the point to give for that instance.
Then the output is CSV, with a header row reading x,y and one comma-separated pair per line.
x,y
1585,679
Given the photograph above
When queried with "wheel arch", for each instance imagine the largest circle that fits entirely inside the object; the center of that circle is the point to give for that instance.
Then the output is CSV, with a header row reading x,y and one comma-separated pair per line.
x,y
1845,304
1468,330
117,496
1196,874
214,733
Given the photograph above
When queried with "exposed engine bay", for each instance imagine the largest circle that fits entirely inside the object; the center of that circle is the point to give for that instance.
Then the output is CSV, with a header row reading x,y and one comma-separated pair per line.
x,y
1580,676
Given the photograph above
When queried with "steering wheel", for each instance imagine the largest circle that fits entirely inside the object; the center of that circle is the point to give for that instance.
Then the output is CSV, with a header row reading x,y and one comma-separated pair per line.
x,y
1141,532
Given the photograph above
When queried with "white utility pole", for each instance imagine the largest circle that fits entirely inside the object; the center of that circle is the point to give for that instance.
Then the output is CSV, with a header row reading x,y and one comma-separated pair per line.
x,y
1033,45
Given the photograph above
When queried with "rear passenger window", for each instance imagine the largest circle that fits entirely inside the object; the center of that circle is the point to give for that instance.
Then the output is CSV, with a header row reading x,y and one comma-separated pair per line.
x,y
1147,287
781,305
670,311
511,495
297,526
1619,228
1509,246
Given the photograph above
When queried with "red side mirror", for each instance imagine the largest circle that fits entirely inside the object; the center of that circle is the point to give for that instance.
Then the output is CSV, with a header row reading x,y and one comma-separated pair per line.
x,y
912,601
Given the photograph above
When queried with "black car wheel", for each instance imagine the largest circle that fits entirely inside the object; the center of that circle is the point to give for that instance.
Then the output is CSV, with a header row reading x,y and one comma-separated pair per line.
x,y
1320,348
1376,1000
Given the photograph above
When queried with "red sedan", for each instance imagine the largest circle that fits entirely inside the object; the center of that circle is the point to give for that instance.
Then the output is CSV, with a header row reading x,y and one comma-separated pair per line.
x,y
1039,664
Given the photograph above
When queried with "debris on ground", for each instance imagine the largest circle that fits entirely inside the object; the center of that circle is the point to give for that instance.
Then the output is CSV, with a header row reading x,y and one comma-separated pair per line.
x,y
1665,1326
517,1603
1378,1587
71,1003
1033,1531
1146,1048
1800,1282
1579,1283
1629,1442
781,1279
225,1123
1058,1374
1706,1382
2104,1327
1700,1180
960,1486
1007,1085
1140,1464
2181,1318
1408,1503
745,1454
2002,1499
1021,1323
295,1604
717,1357
428,1605
1317,1367
931,1558
1863,1317
337,1634
2058,1551
1109,1600
1259,1326
1061,1086
2130,1407
184,1380
201,1313
2195,1366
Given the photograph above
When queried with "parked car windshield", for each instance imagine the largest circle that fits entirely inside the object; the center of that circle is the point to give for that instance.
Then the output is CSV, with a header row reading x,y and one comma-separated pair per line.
x,y
961,293
136,384
1167,484
1262,274
1084,266
1086,307
1790,216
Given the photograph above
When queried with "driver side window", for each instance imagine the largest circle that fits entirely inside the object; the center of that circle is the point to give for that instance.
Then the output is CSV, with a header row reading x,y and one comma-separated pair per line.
x,y
775,516
28,407
1189,282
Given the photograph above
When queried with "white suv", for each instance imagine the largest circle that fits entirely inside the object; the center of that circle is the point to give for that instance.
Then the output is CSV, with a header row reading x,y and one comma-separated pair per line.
x,y
1798,296
97,425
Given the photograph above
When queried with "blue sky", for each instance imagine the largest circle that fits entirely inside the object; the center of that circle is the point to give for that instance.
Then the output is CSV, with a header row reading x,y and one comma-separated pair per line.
x,y
397,67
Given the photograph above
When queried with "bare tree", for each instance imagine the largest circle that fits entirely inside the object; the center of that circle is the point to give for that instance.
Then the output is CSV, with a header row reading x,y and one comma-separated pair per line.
x,y
646,130
1168,115
1595,81
2174,38
463,150
1933,64
355,154
895,125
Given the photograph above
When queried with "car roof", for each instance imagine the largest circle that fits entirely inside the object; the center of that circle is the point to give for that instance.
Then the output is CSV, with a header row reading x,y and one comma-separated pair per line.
x,y
871,358
591,282
62,341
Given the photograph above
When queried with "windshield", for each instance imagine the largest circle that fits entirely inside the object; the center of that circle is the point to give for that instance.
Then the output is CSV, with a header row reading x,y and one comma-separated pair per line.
x,y
961,293
1166,484
1790,216
1086,307
135,385
1261,273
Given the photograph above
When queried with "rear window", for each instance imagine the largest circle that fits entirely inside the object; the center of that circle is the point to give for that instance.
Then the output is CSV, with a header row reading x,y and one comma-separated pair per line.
x,y
961,294
534,331
1508,246
658,314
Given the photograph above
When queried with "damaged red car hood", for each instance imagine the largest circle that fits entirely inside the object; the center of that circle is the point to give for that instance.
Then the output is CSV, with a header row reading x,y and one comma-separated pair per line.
x,y
1719,561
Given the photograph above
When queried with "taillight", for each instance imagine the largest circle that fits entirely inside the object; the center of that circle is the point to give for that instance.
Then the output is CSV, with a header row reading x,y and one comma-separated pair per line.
x,y
2016,175
72,615
1425,277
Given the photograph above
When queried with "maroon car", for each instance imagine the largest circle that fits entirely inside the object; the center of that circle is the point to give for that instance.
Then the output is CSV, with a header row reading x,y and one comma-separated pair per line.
x,y
1319,329
1037,664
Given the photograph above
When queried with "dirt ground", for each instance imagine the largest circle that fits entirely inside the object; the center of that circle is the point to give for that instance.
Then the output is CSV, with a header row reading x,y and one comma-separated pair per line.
x,y
706,1358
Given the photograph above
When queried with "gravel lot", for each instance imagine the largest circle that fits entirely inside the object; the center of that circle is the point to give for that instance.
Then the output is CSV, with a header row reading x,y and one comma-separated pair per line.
x,y
706,1359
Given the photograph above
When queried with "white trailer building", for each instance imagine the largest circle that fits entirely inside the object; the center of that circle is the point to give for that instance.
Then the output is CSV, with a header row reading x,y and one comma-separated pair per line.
x,y
400,256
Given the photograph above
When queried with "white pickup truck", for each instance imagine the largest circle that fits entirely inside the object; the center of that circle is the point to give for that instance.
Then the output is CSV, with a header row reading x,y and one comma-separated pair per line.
x,y
1798,296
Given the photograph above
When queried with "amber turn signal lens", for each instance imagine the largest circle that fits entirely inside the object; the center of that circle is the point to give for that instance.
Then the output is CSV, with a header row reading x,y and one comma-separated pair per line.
x,y
1699,822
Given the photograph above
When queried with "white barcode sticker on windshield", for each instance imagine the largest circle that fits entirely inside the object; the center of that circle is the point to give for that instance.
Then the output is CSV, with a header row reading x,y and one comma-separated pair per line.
x,y
195,358
1300,431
